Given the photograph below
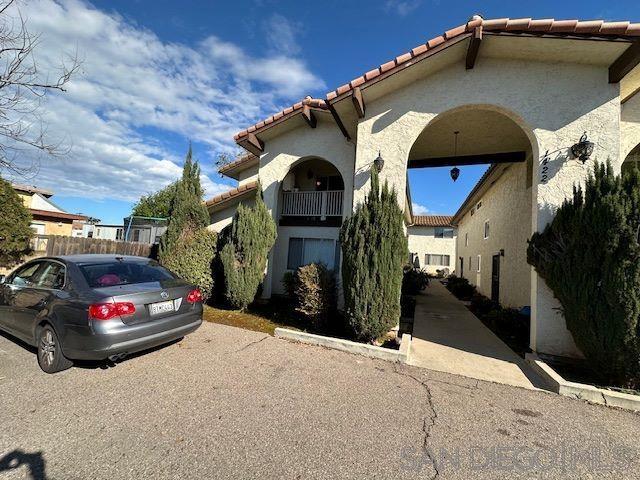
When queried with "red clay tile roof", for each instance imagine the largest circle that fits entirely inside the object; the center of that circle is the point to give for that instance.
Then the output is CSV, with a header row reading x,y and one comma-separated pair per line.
x,y
589,28
432,220
231,194
247,160
312,103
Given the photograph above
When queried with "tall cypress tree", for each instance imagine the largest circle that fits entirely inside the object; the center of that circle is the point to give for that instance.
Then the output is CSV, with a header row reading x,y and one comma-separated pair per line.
x,y
374,249
246,245
15,230
188,213
589,256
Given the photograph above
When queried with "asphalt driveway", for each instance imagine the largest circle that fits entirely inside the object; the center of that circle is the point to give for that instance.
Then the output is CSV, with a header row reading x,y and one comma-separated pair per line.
x,y
230,403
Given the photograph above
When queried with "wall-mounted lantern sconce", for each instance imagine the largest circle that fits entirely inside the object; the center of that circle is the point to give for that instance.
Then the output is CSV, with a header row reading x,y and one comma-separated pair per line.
x,y
378,163
583,149
502,252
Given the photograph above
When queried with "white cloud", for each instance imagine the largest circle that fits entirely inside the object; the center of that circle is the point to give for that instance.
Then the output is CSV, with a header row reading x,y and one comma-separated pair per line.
x,y
419,209
137,95
281,34
402,7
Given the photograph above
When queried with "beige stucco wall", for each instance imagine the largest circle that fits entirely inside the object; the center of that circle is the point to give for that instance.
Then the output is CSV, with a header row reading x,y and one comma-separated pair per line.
x,y
553,103
630,126
507,207
248,175
281,154
423,241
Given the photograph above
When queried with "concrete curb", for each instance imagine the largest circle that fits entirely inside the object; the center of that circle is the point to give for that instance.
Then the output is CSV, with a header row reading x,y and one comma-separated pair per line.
x,y
582,391
401,356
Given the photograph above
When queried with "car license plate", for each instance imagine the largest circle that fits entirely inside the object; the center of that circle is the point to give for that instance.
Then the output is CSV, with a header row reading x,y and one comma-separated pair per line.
x,y
161,307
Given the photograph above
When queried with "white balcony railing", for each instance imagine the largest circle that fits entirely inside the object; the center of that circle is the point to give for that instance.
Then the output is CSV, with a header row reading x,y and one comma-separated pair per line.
x,y
312,204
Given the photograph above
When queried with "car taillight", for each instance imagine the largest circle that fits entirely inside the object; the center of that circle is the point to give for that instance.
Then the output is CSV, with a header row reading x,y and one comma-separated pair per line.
x,y
106,311
194,296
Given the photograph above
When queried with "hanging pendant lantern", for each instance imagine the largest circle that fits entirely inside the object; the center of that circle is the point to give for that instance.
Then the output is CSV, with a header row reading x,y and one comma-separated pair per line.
x,y
455,171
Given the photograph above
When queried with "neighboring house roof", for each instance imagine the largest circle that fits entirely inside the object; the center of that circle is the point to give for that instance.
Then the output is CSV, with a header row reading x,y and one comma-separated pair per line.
x,y
432,221
233,169
520,26
31,189
56,215
229,197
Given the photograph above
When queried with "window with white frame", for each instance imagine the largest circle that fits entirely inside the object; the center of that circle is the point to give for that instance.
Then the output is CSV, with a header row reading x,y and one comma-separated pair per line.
x,y
486,229
443,232
303,251
438,260
479,262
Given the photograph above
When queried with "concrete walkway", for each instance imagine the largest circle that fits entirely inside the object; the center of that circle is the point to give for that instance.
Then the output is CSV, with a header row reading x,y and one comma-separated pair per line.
x,y
447,337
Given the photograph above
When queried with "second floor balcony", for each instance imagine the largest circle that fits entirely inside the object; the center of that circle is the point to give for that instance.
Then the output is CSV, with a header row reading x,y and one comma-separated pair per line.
x,y
320,204
312,194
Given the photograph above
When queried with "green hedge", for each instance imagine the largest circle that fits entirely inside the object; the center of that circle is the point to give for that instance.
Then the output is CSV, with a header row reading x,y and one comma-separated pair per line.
x,y
589,256
191,258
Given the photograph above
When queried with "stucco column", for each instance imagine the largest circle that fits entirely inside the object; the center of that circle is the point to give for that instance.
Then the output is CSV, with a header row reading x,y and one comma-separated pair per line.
x,y
393,138
555,174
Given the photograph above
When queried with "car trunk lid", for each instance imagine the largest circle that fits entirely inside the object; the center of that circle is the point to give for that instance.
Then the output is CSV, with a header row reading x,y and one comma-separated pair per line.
x,y
152,300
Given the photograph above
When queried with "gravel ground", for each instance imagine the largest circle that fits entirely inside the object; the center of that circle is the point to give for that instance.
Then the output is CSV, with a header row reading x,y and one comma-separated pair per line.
x,y
230,403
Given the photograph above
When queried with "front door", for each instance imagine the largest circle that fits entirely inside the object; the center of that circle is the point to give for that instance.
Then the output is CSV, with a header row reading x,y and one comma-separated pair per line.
x,y
495,279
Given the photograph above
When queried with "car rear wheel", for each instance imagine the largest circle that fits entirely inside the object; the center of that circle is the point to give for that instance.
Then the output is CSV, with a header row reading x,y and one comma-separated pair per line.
x,y
50,357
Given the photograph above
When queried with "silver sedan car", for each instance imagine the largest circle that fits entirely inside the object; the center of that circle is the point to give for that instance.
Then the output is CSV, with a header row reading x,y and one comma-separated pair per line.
x,y
94,307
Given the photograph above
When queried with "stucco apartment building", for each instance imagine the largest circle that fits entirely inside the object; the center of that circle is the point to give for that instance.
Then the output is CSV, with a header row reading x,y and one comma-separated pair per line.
x,y
432,243
47,217
494,224
520,93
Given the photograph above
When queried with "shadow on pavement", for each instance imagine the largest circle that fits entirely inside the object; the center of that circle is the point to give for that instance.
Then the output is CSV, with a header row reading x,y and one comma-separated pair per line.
x,y
33,461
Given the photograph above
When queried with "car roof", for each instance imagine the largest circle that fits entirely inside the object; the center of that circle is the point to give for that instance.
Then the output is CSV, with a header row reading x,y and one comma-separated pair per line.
x,y
96,258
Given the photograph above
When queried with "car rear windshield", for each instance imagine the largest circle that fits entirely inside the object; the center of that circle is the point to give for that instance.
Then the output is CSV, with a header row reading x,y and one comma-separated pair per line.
x,y
109,274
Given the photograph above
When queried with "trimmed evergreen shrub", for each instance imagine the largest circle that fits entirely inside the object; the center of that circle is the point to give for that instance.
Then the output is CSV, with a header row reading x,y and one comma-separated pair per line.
x,y
15,229
191,258
589,257
246,246
188,212
374,250
289,283
414,280
315,293
460,287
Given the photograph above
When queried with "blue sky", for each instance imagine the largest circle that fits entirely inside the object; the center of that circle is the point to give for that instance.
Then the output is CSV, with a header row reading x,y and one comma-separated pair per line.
x,y
157,74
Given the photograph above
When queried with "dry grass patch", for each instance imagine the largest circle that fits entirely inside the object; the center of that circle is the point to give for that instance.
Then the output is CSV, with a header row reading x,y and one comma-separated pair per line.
x,y
264,320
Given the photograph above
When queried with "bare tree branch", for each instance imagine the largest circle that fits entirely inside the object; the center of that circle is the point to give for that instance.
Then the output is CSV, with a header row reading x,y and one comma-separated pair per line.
x,y
23,88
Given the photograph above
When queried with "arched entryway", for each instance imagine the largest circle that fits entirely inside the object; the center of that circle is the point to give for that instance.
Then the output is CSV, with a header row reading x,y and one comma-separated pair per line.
x,y
632,160
494,220
311,194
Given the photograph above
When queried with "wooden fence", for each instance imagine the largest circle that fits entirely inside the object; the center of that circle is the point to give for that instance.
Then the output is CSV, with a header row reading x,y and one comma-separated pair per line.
x,y
60,245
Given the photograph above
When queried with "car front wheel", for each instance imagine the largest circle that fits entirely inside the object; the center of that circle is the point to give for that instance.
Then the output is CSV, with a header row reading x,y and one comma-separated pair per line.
x,y
50,357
